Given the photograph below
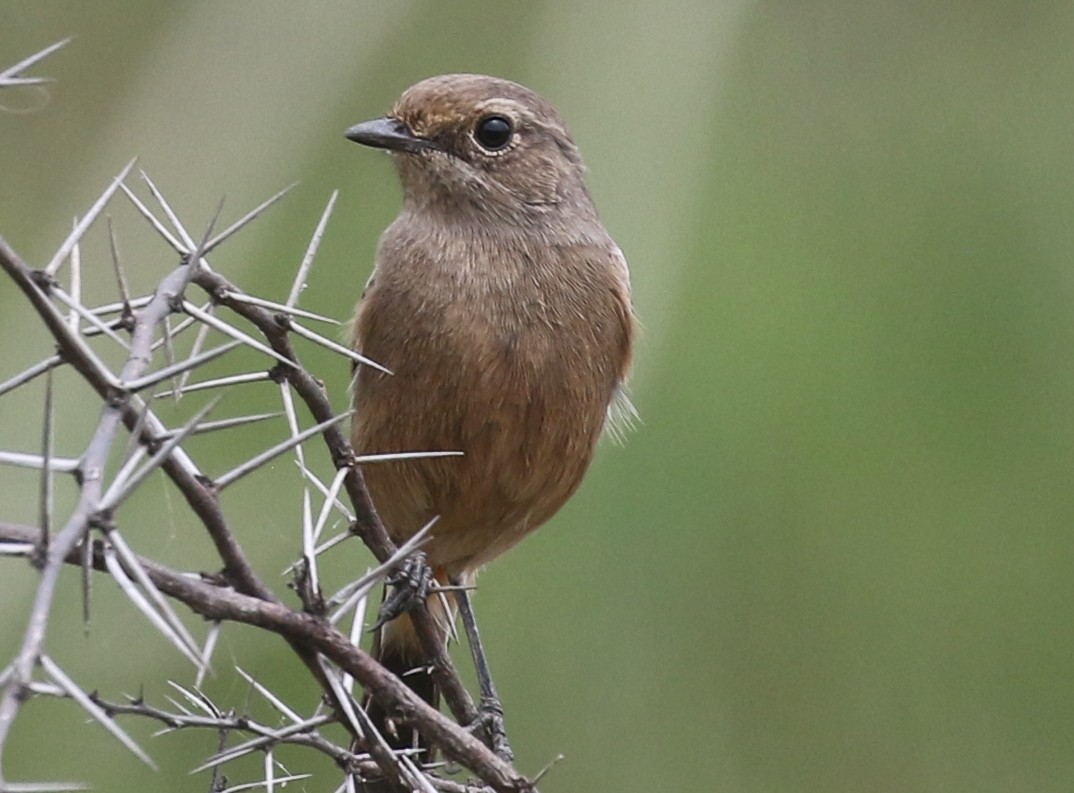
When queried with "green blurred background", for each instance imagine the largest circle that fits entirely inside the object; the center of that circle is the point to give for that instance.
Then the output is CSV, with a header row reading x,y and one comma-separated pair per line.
x,y
837,554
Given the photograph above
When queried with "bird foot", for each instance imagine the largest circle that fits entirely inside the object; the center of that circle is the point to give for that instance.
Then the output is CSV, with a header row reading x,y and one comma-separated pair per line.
x,y
409,587
490,721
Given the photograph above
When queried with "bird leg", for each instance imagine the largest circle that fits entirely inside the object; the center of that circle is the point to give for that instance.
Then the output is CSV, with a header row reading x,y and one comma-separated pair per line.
x,y
409,587
491,711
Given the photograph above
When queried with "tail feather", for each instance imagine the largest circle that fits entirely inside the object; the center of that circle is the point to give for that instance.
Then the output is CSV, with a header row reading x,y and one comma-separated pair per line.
x,y
401,659
398,650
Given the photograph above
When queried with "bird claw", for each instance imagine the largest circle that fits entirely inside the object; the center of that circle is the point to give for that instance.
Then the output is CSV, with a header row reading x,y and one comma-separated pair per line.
x,y
409,587
490,721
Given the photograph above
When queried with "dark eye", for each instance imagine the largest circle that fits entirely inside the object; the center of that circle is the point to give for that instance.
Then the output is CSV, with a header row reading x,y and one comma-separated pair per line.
x,y
493,132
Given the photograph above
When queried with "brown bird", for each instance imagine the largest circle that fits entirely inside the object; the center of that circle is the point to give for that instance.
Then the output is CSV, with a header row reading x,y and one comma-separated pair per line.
x,y
502,308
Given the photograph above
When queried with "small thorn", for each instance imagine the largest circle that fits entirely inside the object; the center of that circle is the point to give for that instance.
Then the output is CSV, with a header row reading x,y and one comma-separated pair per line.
x,y
37,369
247,218
12,74
117,268
176,245
234,333
253,463
339,348
72,239
188,241
93,709
47,446
311,250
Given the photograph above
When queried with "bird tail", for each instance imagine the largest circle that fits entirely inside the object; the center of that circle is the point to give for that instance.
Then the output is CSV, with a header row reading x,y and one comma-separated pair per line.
x,y
398,650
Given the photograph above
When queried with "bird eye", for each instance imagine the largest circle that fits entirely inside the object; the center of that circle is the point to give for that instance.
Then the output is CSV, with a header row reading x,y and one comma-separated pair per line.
x,y
493,132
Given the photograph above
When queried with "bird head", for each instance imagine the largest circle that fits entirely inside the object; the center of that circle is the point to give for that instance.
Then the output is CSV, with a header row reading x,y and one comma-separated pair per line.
x,y
480,145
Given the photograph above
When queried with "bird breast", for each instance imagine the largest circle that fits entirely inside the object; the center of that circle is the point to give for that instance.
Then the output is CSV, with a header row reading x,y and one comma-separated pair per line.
x,y
508,358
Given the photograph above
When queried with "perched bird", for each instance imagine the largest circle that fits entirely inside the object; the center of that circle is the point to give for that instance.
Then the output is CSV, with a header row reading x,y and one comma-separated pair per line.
x,y
502,308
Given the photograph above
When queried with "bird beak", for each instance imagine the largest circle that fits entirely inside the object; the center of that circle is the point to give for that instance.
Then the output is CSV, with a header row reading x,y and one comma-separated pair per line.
x,y
389,133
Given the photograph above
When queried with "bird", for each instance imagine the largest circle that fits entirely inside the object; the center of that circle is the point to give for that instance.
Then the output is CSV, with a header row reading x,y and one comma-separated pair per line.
x,y
502,308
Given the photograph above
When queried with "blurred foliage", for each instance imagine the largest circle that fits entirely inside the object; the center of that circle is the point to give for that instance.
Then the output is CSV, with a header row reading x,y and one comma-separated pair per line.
x,y
836,556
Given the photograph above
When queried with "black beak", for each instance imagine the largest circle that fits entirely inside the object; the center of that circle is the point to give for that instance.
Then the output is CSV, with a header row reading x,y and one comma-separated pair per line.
x,y
389,133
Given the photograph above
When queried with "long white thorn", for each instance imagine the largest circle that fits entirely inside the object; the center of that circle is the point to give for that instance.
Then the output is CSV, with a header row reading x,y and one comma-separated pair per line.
x,y
76,234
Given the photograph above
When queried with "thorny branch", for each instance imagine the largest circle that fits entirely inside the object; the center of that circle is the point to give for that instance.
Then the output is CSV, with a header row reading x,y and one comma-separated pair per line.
x,y
308,634
210,600
92,534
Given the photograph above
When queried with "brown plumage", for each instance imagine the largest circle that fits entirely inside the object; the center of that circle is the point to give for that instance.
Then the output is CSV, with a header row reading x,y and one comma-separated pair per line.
x,y
502,307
